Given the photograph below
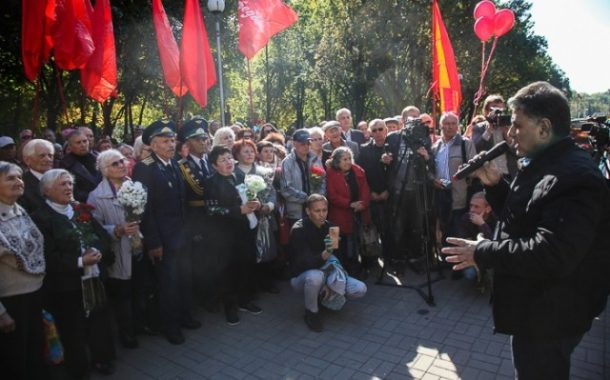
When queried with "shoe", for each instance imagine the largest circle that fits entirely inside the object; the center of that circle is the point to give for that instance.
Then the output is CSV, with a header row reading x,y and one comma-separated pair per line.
x,y
190,324
105,369
312,320
232,317
175,337
128,341
147,330
251,308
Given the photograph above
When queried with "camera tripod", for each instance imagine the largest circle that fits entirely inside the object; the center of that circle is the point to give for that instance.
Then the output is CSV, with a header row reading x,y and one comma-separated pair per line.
x,y
421,198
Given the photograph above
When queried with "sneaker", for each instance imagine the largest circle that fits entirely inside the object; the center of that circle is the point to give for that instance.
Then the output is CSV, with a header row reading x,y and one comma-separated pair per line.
x,y
312,320
231,316
251,308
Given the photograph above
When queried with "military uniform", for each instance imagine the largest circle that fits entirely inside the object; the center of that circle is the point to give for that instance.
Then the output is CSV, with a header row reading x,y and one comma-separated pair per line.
x,y
163,227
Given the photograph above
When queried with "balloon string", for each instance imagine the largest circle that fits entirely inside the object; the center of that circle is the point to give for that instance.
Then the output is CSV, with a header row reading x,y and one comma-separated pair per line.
x,y
481,89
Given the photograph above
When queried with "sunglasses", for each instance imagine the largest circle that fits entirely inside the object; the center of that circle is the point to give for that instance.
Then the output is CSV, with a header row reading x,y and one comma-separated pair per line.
x,y
118,163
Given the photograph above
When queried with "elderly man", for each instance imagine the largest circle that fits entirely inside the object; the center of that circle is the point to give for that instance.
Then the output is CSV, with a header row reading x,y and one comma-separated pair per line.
x,y
38,156
88,132
310,249
344,118
333,133
449,152
297,180
82,164
163,229
549,252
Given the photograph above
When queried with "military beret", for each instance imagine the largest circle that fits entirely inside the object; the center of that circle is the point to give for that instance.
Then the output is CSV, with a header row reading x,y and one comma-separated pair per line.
x,y
193,128
158,128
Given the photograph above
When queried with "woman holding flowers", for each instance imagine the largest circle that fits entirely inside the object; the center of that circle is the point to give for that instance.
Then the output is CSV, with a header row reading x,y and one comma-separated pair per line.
x,y
261,179
348,198
75,249
110,213
233,243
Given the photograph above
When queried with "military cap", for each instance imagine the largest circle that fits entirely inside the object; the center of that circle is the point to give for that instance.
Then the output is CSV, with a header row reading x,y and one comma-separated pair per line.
x,y
193,128
158,128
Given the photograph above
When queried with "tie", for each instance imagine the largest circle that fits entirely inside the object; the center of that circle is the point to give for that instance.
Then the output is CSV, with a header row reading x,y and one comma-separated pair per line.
x,y
170,168
204,168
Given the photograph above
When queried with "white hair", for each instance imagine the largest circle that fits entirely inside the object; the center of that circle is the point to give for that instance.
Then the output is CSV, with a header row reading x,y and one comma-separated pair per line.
x,y
342,110
220,134
30,148
317,130
49,178
105,158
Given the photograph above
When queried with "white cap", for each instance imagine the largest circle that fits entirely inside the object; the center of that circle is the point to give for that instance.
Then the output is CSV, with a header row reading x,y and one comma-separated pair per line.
x,y
6,141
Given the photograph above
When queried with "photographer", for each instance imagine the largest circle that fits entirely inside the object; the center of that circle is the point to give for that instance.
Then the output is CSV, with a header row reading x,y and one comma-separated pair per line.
x,y
493,131
550,248
408,158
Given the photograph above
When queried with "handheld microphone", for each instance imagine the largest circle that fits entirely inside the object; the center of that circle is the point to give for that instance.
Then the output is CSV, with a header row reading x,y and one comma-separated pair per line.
x,y
472,165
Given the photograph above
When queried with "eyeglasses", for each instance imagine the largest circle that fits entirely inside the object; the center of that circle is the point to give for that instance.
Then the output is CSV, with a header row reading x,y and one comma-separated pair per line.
x,y
118,163
377,130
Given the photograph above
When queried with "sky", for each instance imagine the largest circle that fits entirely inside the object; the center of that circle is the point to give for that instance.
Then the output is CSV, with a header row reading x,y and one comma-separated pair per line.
x,y
578,36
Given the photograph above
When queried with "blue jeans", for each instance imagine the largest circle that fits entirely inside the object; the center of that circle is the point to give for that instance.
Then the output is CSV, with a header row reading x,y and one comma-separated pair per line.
x,y
311,282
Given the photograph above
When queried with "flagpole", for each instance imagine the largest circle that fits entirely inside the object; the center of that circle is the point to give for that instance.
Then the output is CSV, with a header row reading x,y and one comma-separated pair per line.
x,y
217,7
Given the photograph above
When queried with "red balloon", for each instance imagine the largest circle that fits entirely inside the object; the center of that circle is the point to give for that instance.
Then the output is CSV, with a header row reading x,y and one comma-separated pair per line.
x,y
484,28
484,8
504,20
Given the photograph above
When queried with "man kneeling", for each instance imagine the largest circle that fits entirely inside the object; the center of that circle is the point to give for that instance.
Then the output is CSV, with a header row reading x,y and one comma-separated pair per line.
x,y
313,266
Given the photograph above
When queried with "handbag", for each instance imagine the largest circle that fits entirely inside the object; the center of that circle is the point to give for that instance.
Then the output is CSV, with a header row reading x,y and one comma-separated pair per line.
x,y
53,350
369,241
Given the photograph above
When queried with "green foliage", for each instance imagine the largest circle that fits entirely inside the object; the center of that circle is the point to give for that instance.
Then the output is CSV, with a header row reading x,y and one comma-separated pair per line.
x,y
373,57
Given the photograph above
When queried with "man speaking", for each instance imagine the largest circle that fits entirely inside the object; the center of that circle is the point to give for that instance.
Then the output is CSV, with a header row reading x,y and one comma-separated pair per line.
x,y
551,248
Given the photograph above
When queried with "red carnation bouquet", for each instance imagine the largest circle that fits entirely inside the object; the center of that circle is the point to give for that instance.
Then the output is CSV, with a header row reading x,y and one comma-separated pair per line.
x,y
315,178
82,220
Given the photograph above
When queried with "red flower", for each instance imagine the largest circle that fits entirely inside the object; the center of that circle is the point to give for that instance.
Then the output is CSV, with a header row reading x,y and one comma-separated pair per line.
x,y
316,170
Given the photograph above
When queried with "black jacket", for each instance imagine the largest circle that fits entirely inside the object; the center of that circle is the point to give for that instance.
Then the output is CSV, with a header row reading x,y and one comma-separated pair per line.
x,y
306,246
550,250
86,180
31,200
62,249
163,222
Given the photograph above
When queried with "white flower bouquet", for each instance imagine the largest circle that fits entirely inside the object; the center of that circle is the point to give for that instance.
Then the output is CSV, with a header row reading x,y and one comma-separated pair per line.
x,y
254,185
133,197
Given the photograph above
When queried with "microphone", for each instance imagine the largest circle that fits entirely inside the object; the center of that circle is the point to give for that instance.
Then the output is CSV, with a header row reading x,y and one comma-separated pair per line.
x,y
472,165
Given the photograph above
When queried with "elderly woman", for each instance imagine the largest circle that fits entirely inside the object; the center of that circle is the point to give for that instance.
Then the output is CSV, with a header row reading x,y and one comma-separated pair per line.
x,y
316,140
244,151
348,197
111,215
232,246
224,136
22,268
69,256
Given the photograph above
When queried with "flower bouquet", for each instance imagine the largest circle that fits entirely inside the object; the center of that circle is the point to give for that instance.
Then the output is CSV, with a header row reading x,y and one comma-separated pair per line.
x,y
315,179
248,191
132,196
94,295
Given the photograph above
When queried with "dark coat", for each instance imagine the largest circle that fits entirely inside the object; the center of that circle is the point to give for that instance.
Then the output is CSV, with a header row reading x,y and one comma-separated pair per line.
x,y
193,176
338,192
85,181
356,136
163,222
62,249
31,200
550,252
375,170
306,246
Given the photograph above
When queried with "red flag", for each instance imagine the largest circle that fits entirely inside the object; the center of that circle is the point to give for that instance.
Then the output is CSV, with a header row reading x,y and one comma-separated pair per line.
x,y
259,20
196,63
444,71
168,50
72,42
49,24
99,76
32,36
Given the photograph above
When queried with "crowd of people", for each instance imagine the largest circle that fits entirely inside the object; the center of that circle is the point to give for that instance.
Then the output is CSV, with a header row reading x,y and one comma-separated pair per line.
x,y
206,237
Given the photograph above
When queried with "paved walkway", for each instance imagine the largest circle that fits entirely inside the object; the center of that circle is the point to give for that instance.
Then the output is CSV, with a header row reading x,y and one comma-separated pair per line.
x,y
390,334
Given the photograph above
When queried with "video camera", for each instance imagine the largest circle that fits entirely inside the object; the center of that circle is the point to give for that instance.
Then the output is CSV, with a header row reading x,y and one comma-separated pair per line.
x,y
497,118
591,133
416,134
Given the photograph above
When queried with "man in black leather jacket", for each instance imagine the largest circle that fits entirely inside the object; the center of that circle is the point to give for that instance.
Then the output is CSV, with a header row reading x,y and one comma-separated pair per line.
x,y
550,248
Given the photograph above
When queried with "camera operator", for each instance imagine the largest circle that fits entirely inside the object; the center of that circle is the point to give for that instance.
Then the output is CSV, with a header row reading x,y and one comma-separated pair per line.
x,y
550,248
449,152
408,157
493,131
